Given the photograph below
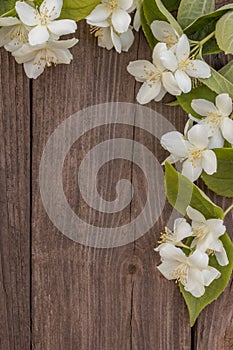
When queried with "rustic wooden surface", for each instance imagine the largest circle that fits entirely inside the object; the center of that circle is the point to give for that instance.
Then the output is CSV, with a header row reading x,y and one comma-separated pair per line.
x,y
60,295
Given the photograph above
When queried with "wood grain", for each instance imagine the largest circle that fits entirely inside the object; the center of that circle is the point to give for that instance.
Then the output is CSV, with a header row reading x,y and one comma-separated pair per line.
x,y
14,206
90,298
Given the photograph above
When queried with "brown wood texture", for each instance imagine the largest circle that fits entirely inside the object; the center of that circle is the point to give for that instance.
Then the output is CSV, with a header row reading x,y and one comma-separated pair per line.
x,y
57,294
14,206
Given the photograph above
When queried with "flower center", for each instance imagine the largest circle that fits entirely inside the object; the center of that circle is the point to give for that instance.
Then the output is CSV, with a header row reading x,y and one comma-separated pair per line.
x,y
213,120
181,273
20,34
195,156
200,232
166,236
151,76
48,58
185,64
45,15
169,39
112,5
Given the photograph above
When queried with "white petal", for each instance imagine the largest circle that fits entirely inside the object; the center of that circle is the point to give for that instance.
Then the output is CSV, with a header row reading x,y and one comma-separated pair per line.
x,y
158,49
171,159
198,69
217,140
6,34
127,40
120,20
182,229
25,54
116,40
217,227
224,104
198,136
174,143
173,254
101,24
169,60
183,48
163,31
210,274
139,68
38,35
99,14
198,259
190,172
221,257
167,267
227,129
161,95
148,92
170,83
63,44
125,4
188,126
34,71
195,283
137,21
183,81
105,39
62,27
27,14
9,21
209,162
203,107
195,215
51,8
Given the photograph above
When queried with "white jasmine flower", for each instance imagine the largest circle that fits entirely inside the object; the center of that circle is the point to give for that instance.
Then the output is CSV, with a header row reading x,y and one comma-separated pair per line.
x,y
112,12
108,38
207,233
43,20
192,151
38,57
217,119
13,33
181,230
137,17
154,76
192,271
183,66
165,33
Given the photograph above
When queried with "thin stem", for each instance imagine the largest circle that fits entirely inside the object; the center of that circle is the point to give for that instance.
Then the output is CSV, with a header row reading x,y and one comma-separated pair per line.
x,y
228,210
207,38
184,246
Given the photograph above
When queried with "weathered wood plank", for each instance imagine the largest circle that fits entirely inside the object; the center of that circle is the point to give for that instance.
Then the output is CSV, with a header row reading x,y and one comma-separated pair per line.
x,y
89,298
14,206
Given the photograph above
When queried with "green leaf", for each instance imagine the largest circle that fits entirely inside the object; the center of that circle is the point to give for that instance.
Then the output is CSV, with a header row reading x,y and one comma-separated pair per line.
x,y
212,292
196,93
211,47
147,31
169,17
222,181
7,7
227,71
189,10
152,12
224,33
171,5
78,9
205,24
181,193
218,83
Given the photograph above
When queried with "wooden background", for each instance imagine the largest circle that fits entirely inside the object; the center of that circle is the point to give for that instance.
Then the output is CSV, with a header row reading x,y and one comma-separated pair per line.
x,y
59,295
